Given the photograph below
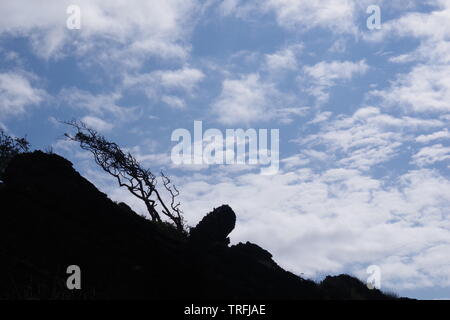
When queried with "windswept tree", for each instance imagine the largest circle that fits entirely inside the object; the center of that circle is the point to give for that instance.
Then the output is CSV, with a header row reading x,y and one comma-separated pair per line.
x,y
129,173
9,147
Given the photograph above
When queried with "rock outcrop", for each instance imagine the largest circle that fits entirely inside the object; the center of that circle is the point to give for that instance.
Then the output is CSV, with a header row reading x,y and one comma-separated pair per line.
x,y
215,227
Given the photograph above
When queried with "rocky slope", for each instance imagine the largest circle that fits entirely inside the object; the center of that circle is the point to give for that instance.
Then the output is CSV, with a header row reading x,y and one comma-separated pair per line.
x,y
51,217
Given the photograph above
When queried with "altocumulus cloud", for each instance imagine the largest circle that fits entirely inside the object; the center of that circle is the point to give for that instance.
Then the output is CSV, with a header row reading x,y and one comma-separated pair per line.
x,y
18,90
363,116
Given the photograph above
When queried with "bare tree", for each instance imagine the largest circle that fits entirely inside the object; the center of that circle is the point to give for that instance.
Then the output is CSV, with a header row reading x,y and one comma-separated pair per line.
x,y
141,182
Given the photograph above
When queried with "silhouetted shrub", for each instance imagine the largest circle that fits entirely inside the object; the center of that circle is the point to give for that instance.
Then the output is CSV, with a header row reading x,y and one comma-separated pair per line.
x,y
10,147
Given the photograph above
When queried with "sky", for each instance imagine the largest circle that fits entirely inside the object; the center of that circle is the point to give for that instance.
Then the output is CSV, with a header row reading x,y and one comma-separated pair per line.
x,y
362,113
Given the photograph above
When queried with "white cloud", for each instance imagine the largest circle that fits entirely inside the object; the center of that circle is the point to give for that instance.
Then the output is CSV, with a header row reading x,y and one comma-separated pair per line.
x,y
295,161
284,59
335,220
185,79
433,25
17,92
425,89
366,138
242,100
249,99
174,102
335,15
139,28
315,155
431,52
324,75
430,155
287,115
97,123
338,46
102,104
443,134
227,7
321,117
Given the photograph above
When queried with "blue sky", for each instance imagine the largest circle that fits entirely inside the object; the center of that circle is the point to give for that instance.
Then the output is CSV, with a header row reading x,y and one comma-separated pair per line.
x,y
363,117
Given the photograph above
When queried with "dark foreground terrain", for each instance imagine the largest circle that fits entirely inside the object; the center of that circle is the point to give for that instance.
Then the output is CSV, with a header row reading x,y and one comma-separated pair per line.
x,y
51,217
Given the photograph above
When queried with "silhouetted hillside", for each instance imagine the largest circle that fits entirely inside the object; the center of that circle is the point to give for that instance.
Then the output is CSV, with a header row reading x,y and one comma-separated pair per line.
x,y
51,217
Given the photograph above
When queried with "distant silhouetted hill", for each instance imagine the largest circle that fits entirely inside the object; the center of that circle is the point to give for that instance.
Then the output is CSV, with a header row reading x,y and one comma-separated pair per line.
x,y
51,217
